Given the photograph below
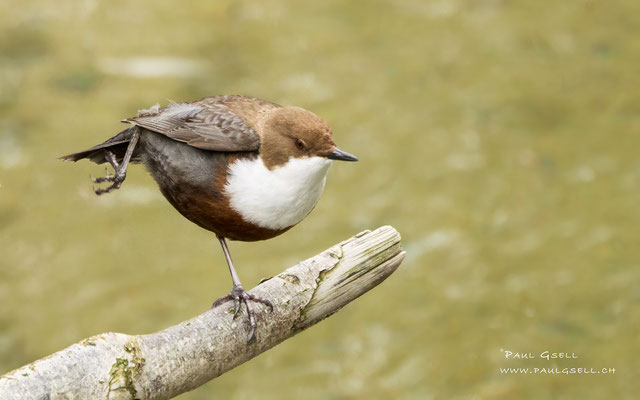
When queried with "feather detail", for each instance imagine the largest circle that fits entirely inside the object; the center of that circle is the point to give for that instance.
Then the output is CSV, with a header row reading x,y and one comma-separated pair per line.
x,y
209,124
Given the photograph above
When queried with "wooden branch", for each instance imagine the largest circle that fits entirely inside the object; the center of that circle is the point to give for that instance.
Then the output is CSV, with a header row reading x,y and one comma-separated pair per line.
x,y
164,364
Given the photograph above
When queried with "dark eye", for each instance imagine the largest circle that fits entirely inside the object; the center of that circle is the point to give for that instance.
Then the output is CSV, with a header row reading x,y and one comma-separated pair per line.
x,y
300,144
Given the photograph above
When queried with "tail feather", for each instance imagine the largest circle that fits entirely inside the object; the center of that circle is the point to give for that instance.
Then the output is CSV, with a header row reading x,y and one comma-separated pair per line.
x,y
117,144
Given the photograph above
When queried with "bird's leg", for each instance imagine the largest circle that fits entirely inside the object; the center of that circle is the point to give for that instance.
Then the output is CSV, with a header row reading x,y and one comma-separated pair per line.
x,y
238,295
120,170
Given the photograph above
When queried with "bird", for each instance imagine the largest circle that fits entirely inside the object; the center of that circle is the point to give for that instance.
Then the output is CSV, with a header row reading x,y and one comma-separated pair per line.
x,y
244,168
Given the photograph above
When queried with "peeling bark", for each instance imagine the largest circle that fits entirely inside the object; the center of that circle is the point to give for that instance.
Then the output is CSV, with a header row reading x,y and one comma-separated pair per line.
x,y
164,364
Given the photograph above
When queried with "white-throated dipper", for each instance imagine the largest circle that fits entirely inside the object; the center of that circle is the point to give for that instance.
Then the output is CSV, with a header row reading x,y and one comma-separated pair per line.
x,y
244,168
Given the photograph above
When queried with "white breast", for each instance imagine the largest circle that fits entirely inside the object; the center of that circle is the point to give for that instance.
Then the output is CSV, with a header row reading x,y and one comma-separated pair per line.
x,y
278,198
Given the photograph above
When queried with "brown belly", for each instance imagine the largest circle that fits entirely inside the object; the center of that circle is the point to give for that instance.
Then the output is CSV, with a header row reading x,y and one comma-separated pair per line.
x,y
216,215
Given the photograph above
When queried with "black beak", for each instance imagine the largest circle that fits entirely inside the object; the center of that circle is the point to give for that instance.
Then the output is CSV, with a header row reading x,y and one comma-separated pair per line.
x,y
338,154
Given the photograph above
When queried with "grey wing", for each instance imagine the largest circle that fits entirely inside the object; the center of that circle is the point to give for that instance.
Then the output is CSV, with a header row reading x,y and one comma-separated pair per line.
x,y
208,127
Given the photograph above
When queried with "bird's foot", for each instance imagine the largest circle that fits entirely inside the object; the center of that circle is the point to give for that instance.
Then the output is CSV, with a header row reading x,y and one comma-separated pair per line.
x,y
238,296
117,178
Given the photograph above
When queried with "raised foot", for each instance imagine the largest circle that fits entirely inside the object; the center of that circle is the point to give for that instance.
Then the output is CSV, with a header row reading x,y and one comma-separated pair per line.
x,y
238,296
116,179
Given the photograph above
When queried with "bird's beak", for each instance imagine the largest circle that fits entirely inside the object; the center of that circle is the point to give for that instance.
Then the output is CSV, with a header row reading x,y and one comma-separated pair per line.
x,y
338,154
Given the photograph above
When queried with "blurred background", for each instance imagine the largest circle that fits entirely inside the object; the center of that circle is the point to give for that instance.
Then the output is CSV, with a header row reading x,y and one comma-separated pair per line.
x,y
499,137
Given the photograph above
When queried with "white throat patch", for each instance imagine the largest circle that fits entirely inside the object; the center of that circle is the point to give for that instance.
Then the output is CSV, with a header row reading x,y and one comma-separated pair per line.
x,y
278,198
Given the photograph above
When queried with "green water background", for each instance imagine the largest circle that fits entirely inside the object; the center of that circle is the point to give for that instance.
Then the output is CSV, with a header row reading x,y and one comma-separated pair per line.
x,y
499,137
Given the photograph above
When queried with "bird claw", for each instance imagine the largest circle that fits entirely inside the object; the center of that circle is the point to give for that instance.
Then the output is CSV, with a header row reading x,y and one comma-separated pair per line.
x,y
107,178
236,309
117,178
116,185
238,296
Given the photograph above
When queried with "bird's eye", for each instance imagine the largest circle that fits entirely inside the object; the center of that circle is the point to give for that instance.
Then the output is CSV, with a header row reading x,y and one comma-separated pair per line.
x,y
300,144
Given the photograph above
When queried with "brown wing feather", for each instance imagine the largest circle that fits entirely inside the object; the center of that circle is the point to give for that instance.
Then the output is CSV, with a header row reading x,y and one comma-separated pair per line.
x,y
206,125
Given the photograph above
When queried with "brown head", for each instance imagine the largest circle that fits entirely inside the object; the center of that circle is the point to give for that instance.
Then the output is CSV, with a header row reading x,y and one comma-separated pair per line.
x,y
295,132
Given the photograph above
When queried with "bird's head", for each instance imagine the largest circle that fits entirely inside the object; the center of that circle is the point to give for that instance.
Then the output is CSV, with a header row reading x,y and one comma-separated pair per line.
x,y
295,132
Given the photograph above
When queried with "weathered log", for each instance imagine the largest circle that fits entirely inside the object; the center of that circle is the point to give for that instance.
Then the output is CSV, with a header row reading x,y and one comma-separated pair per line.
x,y
164,364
